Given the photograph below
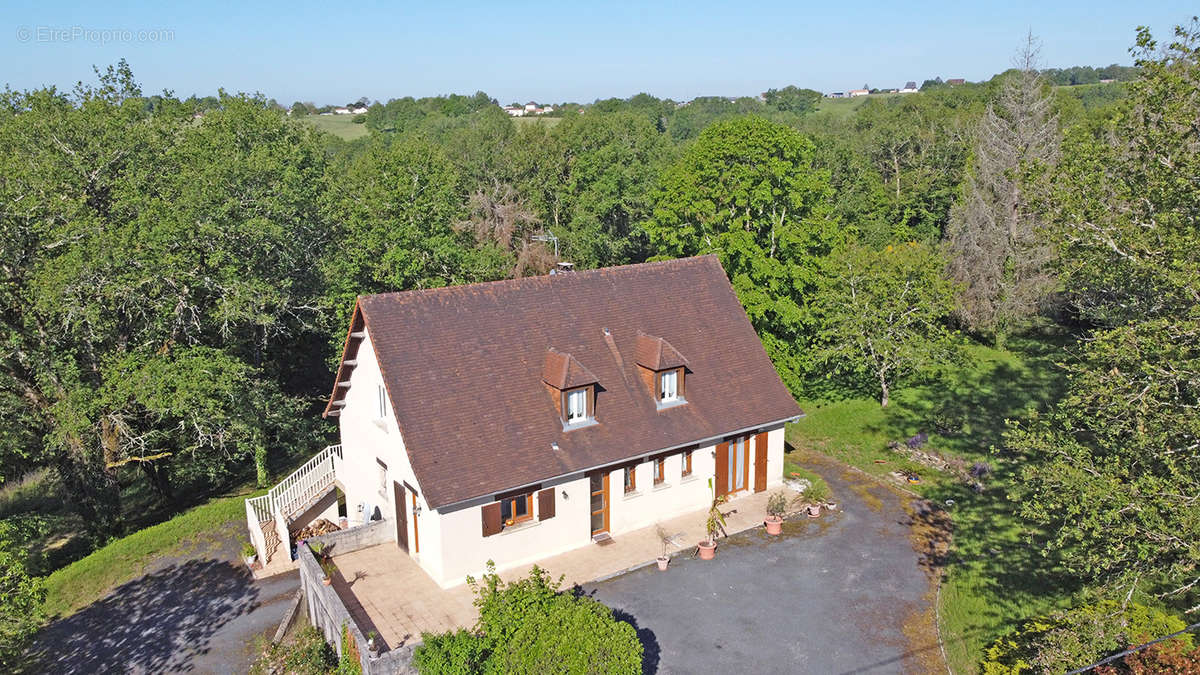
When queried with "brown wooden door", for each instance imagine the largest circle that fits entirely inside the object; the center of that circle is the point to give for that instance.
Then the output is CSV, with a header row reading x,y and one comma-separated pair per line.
x,y
401,515
722,474
598,483
760,462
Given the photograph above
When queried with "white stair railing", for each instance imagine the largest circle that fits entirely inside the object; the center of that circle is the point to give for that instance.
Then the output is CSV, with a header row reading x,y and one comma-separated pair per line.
x,y
282,502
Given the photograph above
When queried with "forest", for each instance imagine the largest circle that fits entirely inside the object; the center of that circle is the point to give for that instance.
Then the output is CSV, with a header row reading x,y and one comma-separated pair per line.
x,y
178,274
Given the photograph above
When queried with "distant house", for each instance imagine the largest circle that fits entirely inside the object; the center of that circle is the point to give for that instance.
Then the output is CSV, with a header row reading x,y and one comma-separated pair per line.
x,y
531,107
955,81
514,110
910,87
859,92
341,111
1107,81
838,94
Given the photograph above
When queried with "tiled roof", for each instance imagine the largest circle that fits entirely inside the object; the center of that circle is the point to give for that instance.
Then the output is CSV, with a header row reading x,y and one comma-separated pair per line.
x,y
562,371
656,353
465,366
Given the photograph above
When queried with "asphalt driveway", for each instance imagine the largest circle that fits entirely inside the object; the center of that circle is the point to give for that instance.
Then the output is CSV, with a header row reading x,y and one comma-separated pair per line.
x,y
195,613
845,593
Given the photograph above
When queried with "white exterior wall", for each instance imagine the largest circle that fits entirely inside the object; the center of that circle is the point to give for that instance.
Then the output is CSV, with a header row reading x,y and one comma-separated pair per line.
x,y
367,437
466,551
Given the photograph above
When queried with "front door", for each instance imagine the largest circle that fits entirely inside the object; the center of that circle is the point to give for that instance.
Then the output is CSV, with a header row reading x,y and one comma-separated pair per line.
x,y
598,483
401,515
733,463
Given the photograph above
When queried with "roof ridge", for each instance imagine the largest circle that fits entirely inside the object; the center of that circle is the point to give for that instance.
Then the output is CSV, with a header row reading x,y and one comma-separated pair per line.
x,y
547,278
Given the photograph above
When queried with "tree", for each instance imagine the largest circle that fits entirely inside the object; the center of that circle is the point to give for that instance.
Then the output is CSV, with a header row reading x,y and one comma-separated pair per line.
x,y
21,613
1114,472
792,99
883,315
1123,210
996,252
747,191
149,235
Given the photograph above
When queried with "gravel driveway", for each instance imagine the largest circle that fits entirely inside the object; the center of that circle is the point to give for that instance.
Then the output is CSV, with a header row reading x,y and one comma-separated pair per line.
x,y
844,593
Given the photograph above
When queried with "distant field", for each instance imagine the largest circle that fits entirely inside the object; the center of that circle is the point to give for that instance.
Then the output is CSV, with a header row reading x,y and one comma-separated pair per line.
x,y
342,126
844,107
549,121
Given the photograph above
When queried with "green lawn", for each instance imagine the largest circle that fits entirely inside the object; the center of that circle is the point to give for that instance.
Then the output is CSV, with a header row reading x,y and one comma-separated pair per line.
x,y
548,121
86,580
993,579
342,126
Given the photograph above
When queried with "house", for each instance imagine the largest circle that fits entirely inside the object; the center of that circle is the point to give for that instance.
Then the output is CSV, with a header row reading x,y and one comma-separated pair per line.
x,y
514,110
837,94
515,420
531,107
910,87
341,111
859,92
955,81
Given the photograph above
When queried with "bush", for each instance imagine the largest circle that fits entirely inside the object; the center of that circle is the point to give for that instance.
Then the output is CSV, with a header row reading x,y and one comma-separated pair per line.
x,y
530,626
458,653
21,615
1166,657
1062,641
307,654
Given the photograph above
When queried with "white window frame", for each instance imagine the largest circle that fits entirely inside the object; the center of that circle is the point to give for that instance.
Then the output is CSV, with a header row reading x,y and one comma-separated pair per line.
x,y
577,398
668,394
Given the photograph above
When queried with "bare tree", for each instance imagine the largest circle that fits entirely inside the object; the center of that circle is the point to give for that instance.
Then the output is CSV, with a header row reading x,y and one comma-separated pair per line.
x,y
499,216
996,252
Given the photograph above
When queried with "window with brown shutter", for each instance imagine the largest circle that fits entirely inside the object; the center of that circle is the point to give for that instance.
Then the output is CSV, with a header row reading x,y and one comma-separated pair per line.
x,y
546,504
687,463
492,522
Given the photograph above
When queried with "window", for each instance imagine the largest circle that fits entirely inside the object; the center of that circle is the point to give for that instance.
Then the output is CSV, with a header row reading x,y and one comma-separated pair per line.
x,y
687,463
659,470
382,468
577,406
383,402
668,386
516,509
630,479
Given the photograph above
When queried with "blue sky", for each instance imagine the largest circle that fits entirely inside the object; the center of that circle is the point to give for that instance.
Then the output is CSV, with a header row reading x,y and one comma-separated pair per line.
x,y
336,52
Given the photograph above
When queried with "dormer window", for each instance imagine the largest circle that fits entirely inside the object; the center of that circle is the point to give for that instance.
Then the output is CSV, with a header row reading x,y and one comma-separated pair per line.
x,y
668,386
572,388
662,368
577,406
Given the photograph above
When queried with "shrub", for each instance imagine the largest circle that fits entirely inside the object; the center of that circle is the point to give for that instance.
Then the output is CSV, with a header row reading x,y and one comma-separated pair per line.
x,y
1172,656
1061,641
530,626
307,654
458,653
21,597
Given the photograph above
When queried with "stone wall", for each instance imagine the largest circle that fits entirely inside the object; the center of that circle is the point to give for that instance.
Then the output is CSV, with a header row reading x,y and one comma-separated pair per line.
x,y
328,613
354,538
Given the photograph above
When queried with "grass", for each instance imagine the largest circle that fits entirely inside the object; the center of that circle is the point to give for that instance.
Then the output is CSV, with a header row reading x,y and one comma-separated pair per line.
x,y
993,579
89,579
342,126
841,108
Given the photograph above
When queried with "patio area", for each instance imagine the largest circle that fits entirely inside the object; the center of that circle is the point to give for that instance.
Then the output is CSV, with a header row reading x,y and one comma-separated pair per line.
x,y
386,592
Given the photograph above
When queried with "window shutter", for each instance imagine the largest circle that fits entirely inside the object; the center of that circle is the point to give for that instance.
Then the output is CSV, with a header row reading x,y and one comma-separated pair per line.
x,y
491,519
546,504
722,468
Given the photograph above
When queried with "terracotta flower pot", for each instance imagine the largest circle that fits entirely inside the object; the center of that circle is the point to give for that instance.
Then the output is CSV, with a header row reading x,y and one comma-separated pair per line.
x,y
326,580
831,505
708,549
662,561
813,510
774,525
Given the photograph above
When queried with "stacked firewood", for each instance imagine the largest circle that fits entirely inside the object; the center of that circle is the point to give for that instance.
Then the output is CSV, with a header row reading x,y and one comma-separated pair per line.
x,y
316,528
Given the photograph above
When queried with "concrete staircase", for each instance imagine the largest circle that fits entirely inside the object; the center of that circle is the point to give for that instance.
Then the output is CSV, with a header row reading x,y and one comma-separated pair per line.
x,y
268,516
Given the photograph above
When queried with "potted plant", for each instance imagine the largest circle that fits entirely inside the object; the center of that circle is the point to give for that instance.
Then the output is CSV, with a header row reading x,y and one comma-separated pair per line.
x,y
815,496
249,553
776,507
327,568
714,524
372,643
664,559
